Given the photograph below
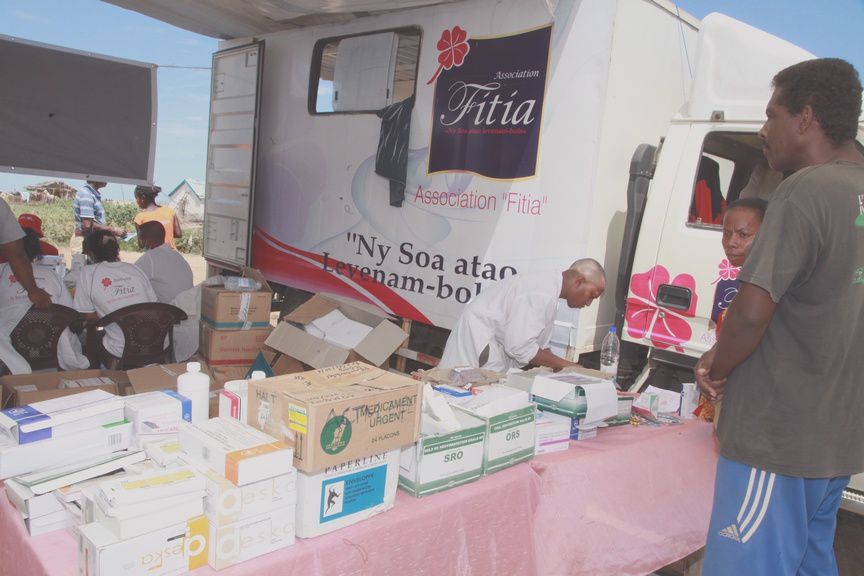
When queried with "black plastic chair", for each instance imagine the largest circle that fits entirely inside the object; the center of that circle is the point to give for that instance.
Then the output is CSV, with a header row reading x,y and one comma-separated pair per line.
x,y
145,328
36,335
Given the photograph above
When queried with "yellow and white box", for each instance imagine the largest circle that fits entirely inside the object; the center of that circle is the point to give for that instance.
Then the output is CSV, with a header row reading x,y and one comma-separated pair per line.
x,y
437,462
251,537
347,493
173,550
238,452
227,503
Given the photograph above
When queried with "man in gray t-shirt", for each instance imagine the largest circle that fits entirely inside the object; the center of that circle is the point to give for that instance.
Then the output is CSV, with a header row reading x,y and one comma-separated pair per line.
x,y
789,362
12,248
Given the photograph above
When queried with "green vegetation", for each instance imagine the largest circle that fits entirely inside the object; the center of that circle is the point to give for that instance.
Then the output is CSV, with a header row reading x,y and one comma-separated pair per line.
x,y
58,223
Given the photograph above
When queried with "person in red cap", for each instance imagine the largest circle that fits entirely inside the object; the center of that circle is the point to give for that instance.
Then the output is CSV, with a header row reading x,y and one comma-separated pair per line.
x,y
34,223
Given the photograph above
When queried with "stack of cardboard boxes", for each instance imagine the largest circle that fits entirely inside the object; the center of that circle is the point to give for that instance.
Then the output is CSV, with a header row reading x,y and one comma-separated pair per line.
x,y
250,482
234,324
348,423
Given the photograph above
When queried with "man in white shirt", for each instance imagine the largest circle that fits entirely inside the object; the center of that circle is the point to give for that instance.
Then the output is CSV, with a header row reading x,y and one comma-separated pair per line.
x,y
167,270
13,295
108,285
509,324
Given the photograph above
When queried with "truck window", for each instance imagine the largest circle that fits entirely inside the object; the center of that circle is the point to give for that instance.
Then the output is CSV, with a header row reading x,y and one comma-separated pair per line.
x,y
363,73
731,166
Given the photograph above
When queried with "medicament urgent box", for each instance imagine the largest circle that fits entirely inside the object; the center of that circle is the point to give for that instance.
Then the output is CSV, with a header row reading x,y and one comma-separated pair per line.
x,y
346,493
438,462
235,450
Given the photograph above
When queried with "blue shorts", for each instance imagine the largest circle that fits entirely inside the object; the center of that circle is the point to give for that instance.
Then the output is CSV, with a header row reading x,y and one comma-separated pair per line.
x,y
766,524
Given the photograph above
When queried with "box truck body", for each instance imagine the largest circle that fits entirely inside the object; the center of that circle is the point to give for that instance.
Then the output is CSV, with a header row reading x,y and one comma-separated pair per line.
x,y
525,118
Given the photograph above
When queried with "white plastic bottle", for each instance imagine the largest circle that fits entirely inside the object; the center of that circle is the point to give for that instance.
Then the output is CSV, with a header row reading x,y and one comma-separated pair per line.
x,y
195,386
610,350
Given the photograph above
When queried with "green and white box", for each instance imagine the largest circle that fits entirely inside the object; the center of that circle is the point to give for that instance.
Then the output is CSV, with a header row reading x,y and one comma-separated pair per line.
x,y
438,462
509,417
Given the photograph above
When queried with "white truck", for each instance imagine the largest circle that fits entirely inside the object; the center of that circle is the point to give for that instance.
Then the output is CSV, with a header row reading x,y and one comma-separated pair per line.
x,y
534,139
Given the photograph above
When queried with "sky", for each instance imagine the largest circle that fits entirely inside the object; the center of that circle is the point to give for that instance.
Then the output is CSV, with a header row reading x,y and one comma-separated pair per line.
x,y
831,28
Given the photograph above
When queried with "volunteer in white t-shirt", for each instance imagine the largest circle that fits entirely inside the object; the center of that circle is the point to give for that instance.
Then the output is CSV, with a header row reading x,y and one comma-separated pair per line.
x,y
108,285
12,294
167,270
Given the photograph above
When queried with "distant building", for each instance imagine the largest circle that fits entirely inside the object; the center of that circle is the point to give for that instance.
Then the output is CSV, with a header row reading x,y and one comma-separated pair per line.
x,y
50,191
187,200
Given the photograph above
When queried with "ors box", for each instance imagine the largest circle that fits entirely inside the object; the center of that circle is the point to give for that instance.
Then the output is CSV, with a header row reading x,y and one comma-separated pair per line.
x,y
338,413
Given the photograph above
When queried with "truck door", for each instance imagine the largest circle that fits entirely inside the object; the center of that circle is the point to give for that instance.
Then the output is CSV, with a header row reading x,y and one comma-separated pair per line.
x,y
681,281
231,154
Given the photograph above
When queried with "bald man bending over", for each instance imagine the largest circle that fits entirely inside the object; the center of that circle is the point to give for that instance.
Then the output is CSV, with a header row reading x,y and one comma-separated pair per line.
x,y
509,324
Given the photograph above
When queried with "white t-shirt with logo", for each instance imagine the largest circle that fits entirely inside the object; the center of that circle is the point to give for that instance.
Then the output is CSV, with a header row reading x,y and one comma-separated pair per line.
x,y
69,352
168,271
108,286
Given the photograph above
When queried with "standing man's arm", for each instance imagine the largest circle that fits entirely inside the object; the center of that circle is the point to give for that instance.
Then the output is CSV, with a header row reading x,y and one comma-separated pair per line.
x,y
746,321
23,270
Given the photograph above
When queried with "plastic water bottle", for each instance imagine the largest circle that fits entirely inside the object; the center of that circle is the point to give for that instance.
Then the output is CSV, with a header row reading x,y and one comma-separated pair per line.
x,y
610,350
196,386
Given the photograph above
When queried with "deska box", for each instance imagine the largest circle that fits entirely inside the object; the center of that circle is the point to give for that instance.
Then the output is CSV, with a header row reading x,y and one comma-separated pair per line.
x,y
337,414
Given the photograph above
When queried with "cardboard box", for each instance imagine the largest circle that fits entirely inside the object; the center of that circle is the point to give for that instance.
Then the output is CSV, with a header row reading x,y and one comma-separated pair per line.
x,y
162,376
227,503
231,347
60,416
336,414
156,414
23,389
436,463
551,432
50,522
376,348
17,459
346,493
127,522
246,539
222,309
238,452
29,504
168,551
509,426
577,395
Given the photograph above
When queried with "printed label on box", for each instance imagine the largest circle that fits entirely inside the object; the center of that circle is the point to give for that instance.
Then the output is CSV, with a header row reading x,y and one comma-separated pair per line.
x,y
451,458
345,495
297,418
511,439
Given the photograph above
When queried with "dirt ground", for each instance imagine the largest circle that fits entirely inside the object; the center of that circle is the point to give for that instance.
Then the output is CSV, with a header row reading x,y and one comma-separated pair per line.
x,y
196,261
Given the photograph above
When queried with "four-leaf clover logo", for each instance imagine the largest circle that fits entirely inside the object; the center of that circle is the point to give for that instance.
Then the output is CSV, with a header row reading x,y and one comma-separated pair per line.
x,y
452,47
106,282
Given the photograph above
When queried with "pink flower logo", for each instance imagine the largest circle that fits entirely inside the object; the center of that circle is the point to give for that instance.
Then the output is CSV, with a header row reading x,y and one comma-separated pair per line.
x,y
645,318
12,279
106,282
726,271
453,47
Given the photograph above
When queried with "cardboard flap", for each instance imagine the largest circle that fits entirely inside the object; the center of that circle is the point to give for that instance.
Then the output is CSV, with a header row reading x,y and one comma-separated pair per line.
x,y
160,376
313,308
255,274
304,347
374,313
385,339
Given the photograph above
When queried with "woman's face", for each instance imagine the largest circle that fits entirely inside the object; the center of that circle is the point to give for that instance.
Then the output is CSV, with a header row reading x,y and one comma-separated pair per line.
x,y
740,226
142,201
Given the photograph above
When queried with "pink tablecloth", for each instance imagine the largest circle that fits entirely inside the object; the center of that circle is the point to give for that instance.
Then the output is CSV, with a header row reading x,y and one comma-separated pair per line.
x,y
627,502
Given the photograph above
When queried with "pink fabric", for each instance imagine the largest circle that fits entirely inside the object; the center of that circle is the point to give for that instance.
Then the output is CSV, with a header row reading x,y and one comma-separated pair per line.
x,y
627,502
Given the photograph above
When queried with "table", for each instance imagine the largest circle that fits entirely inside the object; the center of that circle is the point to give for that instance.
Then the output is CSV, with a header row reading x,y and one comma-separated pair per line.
x,y
629,501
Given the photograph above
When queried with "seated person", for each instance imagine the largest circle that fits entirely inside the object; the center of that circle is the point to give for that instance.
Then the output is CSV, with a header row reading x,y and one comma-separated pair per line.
x,y
509,324
108,284
69,354
167,270
34,223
